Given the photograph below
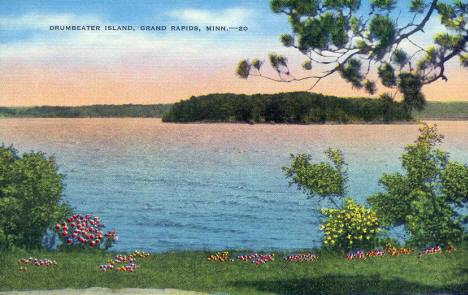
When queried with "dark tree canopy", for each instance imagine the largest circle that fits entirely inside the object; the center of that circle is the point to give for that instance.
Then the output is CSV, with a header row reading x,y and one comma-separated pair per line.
x,y
351,36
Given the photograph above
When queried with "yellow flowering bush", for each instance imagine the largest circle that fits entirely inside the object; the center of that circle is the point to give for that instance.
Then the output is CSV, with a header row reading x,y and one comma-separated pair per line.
x,y
349,227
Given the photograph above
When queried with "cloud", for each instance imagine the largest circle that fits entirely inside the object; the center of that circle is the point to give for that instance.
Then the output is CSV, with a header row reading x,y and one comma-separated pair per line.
x,y
102,47
86,46
231,16
43,45
41,21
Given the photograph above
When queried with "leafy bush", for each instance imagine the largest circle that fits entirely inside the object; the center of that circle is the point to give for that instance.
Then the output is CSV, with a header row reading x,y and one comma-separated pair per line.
x,y
421,198
349,227
30,194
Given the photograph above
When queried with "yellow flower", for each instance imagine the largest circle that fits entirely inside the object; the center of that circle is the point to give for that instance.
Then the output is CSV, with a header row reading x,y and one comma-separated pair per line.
x,y
349,236
332,242
350,241
368,237
328,238
340,231
325,242
360,237
364,229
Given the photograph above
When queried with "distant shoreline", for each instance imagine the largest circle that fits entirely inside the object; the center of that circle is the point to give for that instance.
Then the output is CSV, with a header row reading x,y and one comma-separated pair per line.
x,y
434,111
415,122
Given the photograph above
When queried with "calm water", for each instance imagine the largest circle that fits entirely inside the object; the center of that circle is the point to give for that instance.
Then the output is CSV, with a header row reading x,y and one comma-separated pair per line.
x,y
209,186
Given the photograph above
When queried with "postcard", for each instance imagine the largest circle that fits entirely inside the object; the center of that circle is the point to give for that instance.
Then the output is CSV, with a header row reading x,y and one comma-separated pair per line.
x,y
233,147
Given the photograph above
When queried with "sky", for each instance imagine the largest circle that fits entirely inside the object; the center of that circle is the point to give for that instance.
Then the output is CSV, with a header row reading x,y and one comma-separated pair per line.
x,y
40,66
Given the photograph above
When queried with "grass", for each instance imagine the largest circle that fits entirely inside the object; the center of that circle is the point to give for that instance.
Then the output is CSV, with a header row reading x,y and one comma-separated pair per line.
x,y
330,274
443,110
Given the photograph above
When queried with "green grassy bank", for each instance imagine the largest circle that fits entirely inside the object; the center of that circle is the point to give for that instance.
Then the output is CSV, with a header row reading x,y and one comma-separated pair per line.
x,y
92,111
443,110
329,274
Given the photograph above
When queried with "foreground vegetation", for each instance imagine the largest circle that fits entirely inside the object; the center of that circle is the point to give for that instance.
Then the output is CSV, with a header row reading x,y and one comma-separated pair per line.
x,y
329,274
422,199
98,111
288,107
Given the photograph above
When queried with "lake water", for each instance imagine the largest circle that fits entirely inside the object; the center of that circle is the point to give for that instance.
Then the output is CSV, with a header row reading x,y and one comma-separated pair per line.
x,y
165,186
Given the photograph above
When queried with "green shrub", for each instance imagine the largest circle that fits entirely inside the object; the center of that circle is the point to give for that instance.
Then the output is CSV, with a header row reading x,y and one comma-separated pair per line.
x,y
421,198
30,193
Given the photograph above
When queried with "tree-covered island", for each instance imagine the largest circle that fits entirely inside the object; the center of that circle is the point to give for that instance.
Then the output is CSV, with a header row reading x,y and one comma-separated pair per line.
x,y
289,107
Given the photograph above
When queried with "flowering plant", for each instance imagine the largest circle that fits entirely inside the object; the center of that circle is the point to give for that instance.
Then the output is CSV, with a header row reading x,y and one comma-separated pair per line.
x,y
350,226
358,253
220,256
34,261
300,257
123,263
256,258
393,251
84,230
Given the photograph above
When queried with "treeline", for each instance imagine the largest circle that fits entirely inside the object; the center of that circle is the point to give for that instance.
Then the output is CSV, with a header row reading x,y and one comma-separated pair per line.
x,y
292,107
100,111
289,107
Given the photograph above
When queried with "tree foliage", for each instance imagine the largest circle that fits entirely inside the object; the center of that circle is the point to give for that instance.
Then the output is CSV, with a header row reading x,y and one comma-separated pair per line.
x,y
323,180
422,198
291,107
351,36
347,225
30,194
